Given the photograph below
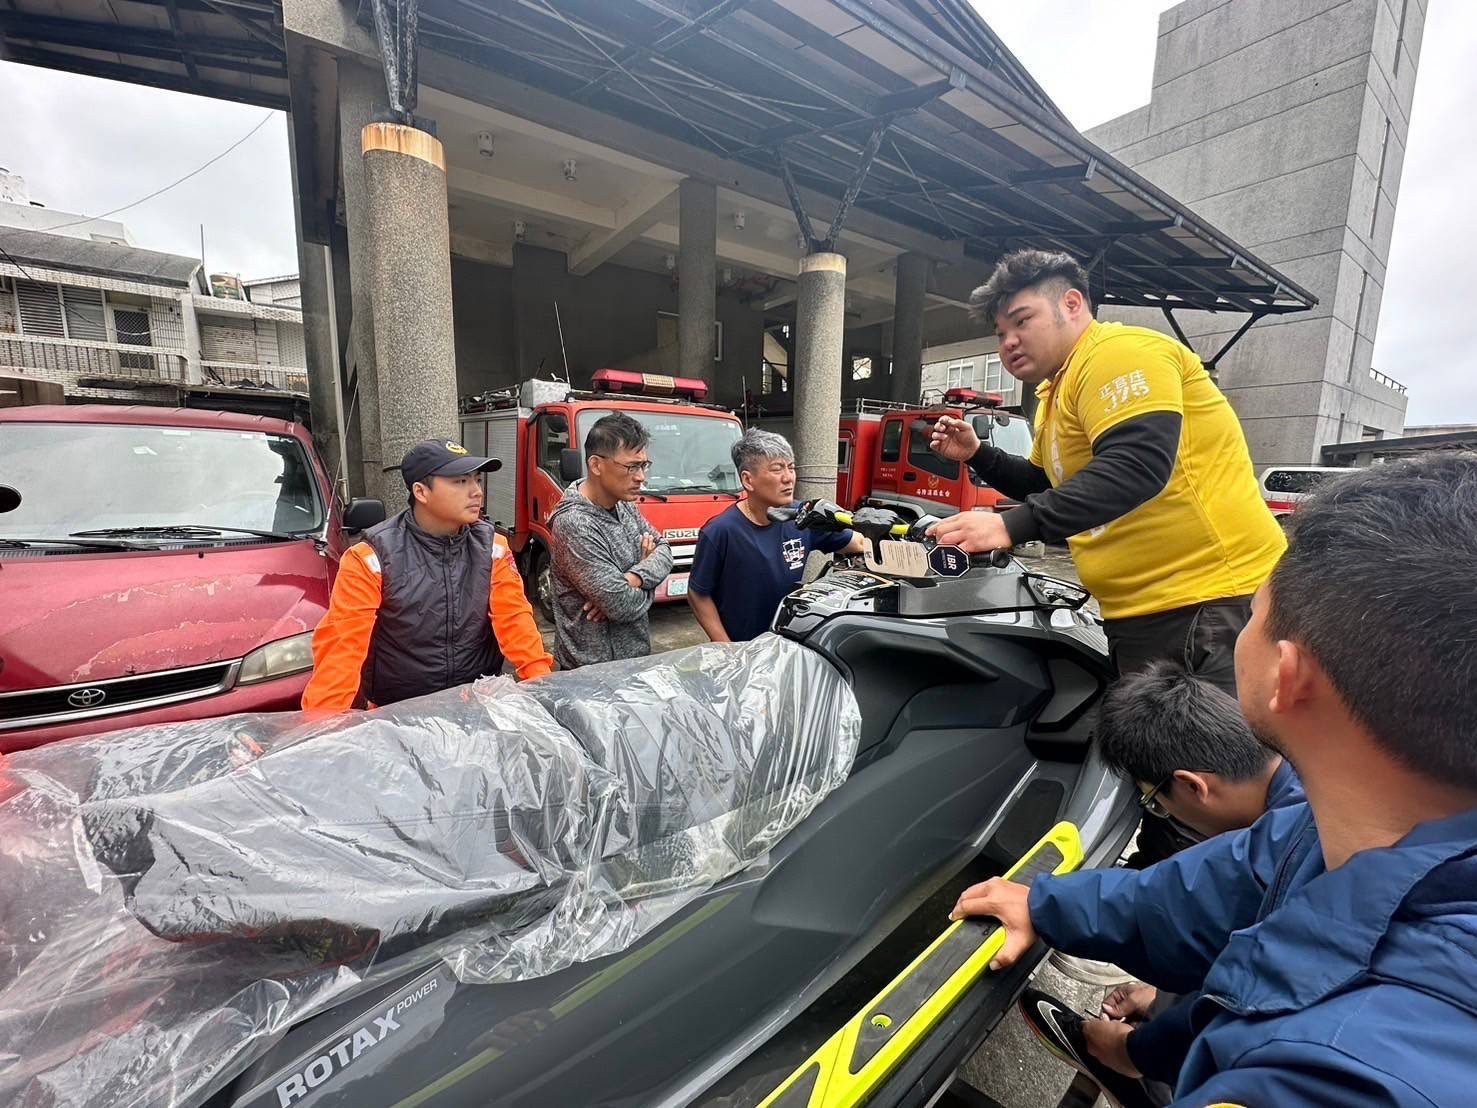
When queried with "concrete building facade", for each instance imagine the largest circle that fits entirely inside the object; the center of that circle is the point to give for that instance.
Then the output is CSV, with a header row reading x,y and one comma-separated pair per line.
x,y
84,308
1285,122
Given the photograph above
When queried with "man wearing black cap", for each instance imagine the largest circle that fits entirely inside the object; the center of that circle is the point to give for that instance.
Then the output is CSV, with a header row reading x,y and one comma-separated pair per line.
x,y
429,600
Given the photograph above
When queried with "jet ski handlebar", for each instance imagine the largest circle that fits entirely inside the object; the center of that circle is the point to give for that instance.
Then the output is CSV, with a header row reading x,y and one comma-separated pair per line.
x,y
875,524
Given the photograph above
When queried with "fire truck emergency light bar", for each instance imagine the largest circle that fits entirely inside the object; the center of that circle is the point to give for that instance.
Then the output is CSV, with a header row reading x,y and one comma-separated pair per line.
x,y
973,398
649,384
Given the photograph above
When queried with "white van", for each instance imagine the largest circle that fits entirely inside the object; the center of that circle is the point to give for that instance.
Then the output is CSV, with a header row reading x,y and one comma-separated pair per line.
x,y
1284,486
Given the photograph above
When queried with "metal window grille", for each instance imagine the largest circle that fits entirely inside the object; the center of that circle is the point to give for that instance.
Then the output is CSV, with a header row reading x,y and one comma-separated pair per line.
x,y
9,319
132,327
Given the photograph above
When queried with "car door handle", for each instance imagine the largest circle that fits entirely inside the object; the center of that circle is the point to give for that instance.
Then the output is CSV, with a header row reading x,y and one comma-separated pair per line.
x,y
910,477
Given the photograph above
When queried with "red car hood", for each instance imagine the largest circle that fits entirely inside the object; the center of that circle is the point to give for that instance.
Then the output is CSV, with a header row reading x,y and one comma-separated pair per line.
x,y
66,619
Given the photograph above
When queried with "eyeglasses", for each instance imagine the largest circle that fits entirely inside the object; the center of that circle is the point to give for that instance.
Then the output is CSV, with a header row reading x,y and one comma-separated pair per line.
x,y
1150,801
635,469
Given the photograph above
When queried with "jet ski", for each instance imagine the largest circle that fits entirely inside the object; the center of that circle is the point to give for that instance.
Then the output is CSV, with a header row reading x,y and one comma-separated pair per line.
x,y
698,868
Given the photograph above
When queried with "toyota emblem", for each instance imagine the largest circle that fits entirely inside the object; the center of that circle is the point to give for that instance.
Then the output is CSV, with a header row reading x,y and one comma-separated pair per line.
x,y
87,698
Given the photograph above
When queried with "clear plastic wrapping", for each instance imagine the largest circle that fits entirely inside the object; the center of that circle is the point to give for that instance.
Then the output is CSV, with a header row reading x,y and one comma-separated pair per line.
x,y
171,898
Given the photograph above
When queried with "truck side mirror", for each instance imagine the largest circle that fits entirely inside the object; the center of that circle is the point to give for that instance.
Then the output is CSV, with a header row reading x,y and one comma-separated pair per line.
x,y
10,499
571,465
363,514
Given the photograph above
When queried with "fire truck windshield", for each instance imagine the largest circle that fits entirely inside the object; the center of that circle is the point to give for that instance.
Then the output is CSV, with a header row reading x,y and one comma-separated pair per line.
x,y
689,453
1012,436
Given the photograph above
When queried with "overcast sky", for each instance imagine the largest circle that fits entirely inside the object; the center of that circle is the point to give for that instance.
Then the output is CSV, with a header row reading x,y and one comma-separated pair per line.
x,y
87,145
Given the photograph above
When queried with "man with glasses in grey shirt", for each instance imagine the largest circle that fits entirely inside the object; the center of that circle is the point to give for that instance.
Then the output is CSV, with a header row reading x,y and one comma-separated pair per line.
x,y
607,559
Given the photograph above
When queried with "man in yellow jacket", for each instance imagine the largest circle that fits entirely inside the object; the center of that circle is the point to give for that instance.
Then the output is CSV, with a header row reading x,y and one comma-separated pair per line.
x,y
1139,463
429,600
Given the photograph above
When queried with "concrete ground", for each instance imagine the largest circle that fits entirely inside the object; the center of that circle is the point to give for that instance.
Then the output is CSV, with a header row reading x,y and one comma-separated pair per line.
x,y
1011,1067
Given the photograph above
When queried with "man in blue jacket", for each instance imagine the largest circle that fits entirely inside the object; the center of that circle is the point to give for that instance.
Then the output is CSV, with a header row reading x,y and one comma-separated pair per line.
x,y
1197,762
1333,944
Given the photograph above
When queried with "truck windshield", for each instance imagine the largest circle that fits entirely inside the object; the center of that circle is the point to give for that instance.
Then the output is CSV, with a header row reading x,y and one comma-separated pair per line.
x,y
92,476
689,453
1013,436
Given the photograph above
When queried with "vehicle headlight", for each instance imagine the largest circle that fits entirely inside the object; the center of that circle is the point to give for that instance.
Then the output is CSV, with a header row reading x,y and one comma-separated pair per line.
x,y
277,659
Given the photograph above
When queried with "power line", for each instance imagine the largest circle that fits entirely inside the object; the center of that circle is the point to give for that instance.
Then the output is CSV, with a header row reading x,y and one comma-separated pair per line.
x,y
15,263
173,184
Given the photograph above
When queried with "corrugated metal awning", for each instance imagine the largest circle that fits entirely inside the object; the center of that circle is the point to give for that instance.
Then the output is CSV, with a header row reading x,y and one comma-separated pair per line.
x,y
970,149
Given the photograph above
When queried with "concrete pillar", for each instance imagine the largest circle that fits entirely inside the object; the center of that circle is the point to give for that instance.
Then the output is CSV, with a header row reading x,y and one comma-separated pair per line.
x,y
907,328
320,346
190,324
820,317
697,279
410,293
343,313
361,94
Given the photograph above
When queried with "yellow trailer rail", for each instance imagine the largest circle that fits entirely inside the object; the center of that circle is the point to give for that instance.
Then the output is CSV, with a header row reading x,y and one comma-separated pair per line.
x,y
858,1058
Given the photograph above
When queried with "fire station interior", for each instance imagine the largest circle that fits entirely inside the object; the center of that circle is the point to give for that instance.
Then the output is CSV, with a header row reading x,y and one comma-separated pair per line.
x,y
564,257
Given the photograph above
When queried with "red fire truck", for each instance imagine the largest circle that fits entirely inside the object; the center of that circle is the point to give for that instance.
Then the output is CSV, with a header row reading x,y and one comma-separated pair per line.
x,y
537,430
883,456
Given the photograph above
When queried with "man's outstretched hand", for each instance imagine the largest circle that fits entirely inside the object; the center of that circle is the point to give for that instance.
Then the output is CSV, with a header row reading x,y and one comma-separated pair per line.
x,y
954,439
1006,901
976,532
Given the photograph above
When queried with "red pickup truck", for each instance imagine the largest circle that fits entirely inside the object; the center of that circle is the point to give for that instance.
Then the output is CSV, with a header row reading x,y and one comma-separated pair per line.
x,y
158,565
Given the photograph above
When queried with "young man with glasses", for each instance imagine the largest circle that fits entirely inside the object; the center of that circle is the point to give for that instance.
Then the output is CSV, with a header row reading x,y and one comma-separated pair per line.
x,y
1197,762
607,559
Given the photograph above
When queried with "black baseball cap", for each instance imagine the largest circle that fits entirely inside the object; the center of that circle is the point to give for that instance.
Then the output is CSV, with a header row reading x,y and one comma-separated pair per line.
x,y
442,458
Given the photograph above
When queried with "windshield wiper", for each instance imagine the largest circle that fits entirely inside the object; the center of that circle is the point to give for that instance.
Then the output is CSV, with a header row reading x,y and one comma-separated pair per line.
x,y
657,495
712,488
90,544
183,530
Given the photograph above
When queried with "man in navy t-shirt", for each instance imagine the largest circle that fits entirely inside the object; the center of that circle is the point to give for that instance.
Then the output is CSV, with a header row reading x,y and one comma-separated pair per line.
x,y
745,564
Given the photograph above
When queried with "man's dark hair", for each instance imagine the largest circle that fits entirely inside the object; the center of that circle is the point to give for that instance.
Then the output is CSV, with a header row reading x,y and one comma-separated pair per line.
x,y
1025,269
614,432
1161,719
1377,583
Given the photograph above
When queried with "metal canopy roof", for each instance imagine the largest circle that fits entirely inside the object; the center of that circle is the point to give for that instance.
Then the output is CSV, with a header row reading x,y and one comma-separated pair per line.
x,y
967,147
226,49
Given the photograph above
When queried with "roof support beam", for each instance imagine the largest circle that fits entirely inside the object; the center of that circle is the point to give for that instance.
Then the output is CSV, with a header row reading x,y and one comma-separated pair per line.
x,y
758,259
868,156
1056,173
632,219
262,36
1174,325
907,100
635,54
73,63
48,30
1215,359
528,199
395,32
172,8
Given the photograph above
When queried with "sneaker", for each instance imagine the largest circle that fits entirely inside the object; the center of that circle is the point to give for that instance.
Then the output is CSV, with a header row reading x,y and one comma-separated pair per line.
x,y
1060,1031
